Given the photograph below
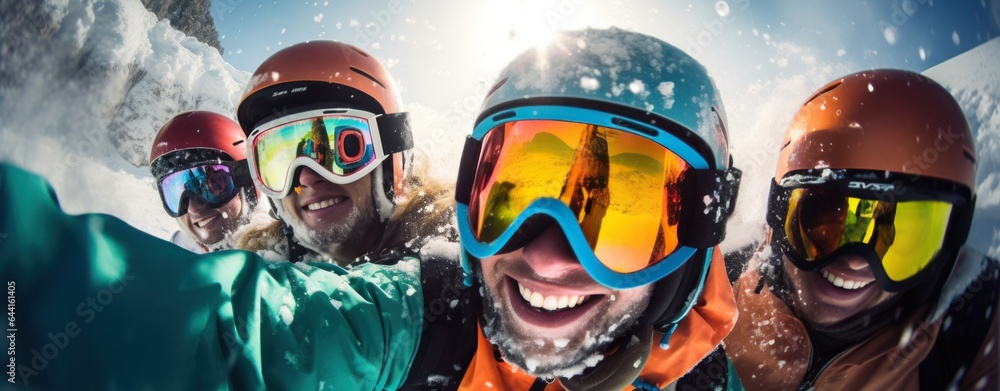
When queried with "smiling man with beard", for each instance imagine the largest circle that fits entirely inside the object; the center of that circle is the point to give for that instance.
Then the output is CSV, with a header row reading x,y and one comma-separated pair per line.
x,y
199,162
326,139
591,196
864,282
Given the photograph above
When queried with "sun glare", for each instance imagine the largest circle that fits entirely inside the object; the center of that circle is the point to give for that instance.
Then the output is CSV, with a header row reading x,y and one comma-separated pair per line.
x,y
508,28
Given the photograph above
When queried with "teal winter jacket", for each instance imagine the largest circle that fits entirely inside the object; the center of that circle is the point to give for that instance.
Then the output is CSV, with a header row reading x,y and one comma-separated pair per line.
x,y
93,303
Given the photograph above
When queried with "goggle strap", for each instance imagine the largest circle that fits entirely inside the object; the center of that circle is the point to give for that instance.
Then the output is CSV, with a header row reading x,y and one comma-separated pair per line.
x,y
467,170
394,132
960,223
777,207
709,197
241,175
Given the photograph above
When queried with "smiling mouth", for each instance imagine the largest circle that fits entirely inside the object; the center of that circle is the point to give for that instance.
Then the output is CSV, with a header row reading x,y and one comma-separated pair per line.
x,y
550,303
325,204
840,282
203,223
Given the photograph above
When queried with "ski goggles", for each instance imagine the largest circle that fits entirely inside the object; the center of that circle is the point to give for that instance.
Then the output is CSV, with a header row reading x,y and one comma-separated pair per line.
x,y
342,145
901,235
212,184
634,201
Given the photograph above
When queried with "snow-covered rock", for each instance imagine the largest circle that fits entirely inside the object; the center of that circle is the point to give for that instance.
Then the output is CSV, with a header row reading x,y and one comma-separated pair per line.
x,y
85,85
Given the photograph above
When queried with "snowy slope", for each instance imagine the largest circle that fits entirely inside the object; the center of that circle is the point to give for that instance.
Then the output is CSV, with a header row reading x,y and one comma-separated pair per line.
x,y
974,79
86,86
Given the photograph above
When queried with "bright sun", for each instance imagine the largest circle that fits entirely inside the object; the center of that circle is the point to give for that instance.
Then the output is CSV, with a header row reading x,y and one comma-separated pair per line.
x,y
508,28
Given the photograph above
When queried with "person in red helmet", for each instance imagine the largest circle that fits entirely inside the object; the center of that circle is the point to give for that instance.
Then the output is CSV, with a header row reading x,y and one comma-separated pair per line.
x,y
326,140
864,282
198,160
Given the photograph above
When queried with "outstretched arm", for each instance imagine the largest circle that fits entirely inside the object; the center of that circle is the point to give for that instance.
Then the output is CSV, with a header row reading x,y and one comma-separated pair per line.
x,y
94,303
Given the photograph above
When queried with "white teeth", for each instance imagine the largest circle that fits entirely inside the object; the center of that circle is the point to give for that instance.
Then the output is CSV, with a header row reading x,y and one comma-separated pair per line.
x,y
549,303
202,224
842,283
324,204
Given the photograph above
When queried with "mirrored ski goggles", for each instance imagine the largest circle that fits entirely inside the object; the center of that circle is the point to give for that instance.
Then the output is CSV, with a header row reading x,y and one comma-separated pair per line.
x,y
899,238
617,194
342,145
211,184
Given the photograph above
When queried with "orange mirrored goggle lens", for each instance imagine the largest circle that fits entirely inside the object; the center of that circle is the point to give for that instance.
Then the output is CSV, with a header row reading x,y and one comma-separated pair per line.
x,y
622,188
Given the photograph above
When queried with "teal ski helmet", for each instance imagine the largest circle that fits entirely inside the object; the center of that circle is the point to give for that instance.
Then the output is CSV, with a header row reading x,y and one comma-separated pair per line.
x,y
619,85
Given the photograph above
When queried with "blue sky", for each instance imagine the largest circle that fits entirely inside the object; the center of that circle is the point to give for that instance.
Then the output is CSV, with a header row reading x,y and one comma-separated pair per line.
x,y
439,49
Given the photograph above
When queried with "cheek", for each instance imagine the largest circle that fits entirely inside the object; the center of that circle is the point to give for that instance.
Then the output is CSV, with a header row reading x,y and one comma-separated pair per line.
x,y
290,203
362,188
635,296
487,267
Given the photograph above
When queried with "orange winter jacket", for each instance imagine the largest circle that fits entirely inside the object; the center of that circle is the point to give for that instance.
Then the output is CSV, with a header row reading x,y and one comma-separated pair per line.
x,y
771,349
709,321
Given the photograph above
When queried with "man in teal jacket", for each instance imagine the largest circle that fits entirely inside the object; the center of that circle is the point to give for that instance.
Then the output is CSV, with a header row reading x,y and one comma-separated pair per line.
x,y
96,304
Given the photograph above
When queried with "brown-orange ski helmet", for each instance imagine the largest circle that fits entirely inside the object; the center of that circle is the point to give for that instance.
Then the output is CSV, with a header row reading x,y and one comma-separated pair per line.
x,y
881,164
318,75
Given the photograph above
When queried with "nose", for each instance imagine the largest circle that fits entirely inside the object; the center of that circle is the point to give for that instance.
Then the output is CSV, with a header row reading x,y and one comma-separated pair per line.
x,y
856,263
309,178
195,206
550,255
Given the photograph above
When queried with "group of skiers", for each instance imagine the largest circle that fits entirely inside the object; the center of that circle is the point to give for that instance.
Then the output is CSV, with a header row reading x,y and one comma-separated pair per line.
x,y
588,209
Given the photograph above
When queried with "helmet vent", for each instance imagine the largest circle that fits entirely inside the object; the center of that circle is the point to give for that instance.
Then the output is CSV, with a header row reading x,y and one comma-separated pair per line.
x,y
825,90
354,48
362,73
497,86
503,116
634,126
238,142
969,156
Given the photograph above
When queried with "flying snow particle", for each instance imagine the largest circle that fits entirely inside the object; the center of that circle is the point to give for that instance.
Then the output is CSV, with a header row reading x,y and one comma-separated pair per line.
x,y
667,89
637,87
923,54
890,34
871,88
282,31
589,83
318,18
841,53
722,8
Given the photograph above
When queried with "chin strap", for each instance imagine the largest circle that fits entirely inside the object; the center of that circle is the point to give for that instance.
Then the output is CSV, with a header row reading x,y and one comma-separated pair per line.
x,y
619,369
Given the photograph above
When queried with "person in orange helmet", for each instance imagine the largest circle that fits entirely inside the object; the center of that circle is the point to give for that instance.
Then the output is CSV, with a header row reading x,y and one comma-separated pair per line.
x,y
198,160
328,144
864,282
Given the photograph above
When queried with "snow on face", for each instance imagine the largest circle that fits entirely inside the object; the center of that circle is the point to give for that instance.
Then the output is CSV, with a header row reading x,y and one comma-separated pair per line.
x,y
547,343
336,234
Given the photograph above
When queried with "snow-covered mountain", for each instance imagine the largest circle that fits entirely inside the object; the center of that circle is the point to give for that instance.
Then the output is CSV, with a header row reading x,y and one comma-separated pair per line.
x,y
85,85
974,79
